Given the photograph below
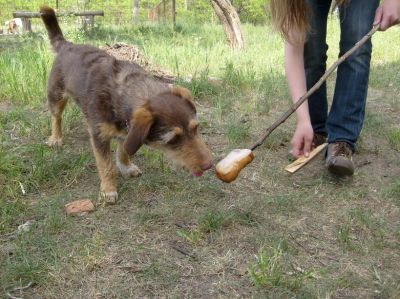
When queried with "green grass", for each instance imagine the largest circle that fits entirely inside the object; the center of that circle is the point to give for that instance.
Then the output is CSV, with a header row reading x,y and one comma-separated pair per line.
x,y
24,73
394,138
237,131
393,191
266,235
270,271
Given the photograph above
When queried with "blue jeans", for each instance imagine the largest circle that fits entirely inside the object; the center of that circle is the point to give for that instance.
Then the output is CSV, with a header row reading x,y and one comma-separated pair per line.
x,y
346,116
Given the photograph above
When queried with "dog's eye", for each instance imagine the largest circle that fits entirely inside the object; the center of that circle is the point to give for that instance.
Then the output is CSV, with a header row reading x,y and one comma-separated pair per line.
x,y
175,140
172,136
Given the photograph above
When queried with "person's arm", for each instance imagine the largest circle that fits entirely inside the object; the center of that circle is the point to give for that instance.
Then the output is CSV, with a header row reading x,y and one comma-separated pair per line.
x,y
387,14
294,68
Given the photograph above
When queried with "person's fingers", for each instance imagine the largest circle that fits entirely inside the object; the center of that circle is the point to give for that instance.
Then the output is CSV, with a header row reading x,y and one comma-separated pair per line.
x,y
391,19
378,16
296,153
307,146
296,148
385,23
386,17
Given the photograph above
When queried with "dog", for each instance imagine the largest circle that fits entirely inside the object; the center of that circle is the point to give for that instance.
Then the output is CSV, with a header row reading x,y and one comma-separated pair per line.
x,y
13,26
121,101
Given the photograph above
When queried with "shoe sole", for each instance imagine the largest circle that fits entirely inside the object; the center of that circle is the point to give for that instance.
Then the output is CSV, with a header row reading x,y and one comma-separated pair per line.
x,y
339,170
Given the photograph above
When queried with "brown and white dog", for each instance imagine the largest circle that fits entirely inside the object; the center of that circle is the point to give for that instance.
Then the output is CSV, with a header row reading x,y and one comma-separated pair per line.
x,y
120,100
13,26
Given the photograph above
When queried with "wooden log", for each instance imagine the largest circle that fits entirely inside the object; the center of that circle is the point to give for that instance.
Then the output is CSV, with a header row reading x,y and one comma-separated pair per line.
x,y
87,22
88,13
300,162
26,25
30,14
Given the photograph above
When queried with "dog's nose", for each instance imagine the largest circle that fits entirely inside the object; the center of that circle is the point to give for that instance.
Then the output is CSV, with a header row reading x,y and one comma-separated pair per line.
x,y
206,166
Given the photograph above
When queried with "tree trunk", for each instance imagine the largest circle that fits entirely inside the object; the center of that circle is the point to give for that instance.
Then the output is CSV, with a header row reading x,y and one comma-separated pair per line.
x,y
135,11
174,14
230,22
187,4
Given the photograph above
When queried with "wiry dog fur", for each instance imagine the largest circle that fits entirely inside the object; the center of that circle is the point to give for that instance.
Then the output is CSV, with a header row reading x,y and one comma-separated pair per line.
x,y
121,101
13,26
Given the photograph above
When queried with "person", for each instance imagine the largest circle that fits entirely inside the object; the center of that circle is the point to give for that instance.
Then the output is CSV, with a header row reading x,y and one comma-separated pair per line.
x,y
303,24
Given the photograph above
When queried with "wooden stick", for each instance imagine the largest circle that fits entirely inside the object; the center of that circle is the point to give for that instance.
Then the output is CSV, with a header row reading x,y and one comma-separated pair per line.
x,y
296,105
300,162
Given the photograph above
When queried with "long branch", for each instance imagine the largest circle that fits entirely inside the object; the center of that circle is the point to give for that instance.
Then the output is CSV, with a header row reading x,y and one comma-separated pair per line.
x,y
296,105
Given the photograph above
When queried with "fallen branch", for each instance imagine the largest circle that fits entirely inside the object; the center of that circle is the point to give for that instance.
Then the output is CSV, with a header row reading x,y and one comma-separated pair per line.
x,y
183,251
9,295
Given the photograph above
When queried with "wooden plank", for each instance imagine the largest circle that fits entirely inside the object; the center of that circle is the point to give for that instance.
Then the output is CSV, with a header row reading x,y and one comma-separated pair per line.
x,y
89,13
30,14
26,24
300,162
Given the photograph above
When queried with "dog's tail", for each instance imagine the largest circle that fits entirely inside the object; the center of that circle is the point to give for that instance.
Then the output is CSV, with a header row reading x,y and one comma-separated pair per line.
x,y
53,29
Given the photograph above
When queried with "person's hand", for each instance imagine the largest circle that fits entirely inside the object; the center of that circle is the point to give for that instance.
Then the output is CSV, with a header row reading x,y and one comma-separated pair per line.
x,y
387,14
302,140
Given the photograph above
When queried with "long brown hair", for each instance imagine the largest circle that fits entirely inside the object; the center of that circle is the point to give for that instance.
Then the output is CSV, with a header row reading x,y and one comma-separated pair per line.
x,y
293,15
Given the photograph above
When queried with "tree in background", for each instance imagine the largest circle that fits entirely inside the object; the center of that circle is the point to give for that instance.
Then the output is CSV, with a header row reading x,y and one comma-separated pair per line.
x,y
135,11
252,11
230,21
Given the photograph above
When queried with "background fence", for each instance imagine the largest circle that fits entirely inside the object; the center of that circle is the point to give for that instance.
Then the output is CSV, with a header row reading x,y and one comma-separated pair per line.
x,y
115,11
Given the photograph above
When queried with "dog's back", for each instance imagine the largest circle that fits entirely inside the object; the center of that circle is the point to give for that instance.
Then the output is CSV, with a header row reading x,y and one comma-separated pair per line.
x,y
75,65
87,73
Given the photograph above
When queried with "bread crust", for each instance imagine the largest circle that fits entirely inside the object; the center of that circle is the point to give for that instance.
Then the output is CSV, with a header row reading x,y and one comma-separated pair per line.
x,y
228,169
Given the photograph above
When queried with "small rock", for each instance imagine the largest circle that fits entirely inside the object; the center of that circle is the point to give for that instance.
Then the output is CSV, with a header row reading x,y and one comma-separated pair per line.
x,y
79,207
26,226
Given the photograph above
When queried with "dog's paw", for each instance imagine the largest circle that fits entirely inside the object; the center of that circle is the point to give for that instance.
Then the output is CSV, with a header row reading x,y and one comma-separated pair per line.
x,y
54,141
108,198
130,170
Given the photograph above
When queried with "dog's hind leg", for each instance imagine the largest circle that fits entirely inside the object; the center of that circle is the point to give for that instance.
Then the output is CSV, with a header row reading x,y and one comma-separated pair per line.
x,y
124,164
56,103
56,108
105,167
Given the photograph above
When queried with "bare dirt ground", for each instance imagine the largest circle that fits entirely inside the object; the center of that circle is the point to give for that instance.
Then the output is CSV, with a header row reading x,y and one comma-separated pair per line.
x,y
172,236
266,235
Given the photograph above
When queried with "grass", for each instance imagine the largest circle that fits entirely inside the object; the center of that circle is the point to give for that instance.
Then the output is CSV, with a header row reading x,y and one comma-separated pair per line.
x,y
271,271
266,235
19,82
394,139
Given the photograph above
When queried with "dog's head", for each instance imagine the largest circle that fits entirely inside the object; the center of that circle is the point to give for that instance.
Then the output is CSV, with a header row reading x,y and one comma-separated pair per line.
x,y
168,122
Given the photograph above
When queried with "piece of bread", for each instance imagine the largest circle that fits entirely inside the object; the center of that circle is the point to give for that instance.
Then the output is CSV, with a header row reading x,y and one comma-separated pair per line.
x,y
228,168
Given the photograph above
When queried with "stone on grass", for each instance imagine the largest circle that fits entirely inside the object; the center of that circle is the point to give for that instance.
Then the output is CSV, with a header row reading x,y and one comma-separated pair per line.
x,y
79,207
26,226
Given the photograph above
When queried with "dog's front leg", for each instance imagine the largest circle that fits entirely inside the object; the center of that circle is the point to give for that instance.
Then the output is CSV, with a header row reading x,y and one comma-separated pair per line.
x,y
105,167
124,164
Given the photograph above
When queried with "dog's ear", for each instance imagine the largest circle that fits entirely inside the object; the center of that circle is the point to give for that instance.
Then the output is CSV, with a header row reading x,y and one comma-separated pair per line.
x,y
140,124
184,93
